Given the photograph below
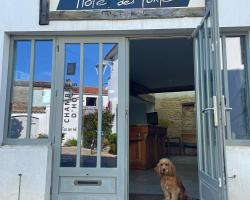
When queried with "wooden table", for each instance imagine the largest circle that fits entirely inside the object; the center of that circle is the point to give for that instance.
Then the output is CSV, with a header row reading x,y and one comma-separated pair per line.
x,y
146,145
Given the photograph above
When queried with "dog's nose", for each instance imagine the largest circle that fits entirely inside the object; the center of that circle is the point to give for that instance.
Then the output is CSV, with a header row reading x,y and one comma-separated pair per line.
x,y
163,169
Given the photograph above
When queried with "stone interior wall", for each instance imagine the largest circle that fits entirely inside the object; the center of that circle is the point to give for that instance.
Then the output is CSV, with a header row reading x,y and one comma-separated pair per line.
x,y
176,110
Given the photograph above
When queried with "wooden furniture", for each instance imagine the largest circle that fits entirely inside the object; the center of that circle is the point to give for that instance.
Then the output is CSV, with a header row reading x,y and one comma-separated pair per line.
x,y
188,140
146,145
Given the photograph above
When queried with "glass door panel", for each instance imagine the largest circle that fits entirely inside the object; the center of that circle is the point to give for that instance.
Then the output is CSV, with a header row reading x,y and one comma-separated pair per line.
x,y
93,120
70,127
109,130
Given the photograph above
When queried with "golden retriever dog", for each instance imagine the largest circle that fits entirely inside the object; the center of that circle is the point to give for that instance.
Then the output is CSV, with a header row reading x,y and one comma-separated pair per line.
x,y
171,185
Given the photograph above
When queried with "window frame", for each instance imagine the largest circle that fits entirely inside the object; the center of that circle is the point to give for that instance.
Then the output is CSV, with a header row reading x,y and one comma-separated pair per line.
x,y
88,99
10,76
231,141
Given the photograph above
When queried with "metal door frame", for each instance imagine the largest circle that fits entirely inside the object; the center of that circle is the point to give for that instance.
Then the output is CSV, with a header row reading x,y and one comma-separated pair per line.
x,y
122,161
212,13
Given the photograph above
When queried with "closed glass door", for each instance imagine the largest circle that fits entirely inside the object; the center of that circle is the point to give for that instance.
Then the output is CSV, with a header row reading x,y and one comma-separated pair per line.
x,y
91,121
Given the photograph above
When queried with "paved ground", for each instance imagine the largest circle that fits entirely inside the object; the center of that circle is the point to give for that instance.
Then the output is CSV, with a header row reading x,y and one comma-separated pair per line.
x,y
88,159
147,182
148,197
144,184
145,197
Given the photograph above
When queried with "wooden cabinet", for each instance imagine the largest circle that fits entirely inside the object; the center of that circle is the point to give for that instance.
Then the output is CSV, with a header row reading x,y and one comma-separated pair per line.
x,y
146,146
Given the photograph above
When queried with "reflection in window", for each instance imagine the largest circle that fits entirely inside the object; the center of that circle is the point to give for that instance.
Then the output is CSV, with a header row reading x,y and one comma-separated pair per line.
x,y
30,104
110,105
41,90
91,101
238,87
70,105
20,90
90,113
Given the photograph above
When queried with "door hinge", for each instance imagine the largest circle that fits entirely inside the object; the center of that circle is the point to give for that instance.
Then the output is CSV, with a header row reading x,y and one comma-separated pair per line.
x,y
57,48
50,190
53,140
55,93
212,47
126,112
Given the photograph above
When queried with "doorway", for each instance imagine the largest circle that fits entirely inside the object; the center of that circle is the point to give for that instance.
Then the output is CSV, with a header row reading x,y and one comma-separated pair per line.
x,y
162,114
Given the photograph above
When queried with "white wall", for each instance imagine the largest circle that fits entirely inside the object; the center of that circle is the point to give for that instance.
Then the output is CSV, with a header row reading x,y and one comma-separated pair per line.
x,y
34,163
238,163
20,17
234,13
138,109
26,18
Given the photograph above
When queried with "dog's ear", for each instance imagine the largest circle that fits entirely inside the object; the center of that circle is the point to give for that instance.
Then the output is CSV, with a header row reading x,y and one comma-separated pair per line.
x,y
172,169
157,169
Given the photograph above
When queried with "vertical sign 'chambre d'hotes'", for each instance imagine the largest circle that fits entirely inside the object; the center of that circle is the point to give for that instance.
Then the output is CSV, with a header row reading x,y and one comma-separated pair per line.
x,y
124,4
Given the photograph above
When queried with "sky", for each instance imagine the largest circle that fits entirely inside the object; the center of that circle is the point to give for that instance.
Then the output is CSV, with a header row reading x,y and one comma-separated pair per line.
x,y
43,62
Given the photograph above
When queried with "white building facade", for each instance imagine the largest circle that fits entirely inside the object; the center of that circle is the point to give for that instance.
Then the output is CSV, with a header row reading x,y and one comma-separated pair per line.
x,y
32,168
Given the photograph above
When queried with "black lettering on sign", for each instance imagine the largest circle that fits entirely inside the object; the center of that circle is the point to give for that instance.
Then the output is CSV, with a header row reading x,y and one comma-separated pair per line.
x,y
81,4
125,2
119,4
74,99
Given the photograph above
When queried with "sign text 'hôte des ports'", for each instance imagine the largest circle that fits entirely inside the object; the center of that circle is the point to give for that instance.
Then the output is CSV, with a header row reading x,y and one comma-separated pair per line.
x,y
119,4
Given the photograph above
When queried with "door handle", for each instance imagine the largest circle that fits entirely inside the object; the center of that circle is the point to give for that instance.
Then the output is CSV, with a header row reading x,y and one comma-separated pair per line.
x,y
207,109
215,111
226,109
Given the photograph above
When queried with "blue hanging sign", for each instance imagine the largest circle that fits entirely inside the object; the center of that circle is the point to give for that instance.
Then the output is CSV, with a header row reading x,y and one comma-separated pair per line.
x,y
119,4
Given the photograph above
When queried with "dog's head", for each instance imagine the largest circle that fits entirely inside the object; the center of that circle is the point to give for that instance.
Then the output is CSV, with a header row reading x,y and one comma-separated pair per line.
x,y
165,168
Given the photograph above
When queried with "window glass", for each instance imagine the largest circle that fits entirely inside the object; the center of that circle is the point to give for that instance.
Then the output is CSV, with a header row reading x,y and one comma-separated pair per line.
x,y
40,115
31,90
70,105
91,101
238,90
20,90
90,113
110,105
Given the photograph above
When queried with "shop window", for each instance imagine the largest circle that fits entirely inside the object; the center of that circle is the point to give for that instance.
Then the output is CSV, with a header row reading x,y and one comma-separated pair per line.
x,y
30,97
91,101
237,96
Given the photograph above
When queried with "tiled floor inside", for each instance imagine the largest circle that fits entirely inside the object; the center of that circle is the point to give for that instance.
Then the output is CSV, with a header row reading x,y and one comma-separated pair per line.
x,y
147,182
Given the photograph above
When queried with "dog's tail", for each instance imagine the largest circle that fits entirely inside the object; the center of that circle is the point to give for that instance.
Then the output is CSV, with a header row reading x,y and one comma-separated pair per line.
x,y
183,195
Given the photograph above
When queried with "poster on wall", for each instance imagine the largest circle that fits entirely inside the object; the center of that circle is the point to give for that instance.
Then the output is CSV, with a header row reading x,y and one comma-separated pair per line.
x,y
57,5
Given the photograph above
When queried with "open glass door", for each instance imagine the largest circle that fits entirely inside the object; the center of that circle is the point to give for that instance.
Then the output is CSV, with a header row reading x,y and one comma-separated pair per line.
x,y
90,126
210,128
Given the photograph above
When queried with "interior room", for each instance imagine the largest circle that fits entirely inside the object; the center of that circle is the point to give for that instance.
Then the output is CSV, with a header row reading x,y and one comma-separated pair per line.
x,y
162,115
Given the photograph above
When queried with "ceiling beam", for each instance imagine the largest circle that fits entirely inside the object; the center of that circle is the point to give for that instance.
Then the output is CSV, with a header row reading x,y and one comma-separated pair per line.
x,y
136,89
173,89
